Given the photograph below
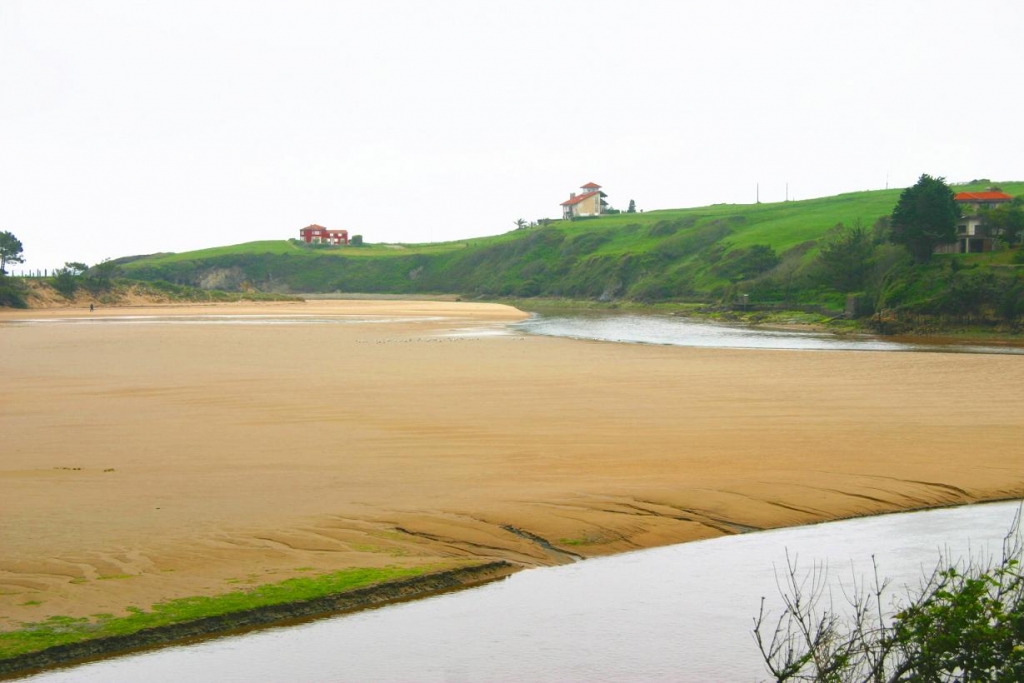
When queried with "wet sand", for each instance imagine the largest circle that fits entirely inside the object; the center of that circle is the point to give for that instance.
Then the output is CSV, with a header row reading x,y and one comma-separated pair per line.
x,y
149,461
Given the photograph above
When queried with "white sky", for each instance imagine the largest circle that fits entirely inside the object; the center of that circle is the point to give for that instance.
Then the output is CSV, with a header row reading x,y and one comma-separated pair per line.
x,y
131,127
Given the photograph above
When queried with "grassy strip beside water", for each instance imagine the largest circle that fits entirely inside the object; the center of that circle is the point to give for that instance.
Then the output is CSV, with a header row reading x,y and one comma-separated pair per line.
x,y
63,630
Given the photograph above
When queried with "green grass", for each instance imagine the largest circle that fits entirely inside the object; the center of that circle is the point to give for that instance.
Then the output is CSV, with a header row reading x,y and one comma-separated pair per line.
x,y
61,630
289,248
699,255
779,224
589,539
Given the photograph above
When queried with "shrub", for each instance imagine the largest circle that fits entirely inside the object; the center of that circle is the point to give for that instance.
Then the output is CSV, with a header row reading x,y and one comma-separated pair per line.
x,y
966,623
844,261
65,281
12,293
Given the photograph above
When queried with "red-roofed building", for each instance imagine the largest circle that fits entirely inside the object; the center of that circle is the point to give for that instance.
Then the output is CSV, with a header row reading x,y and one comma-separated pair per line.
x,y
983,200
318,234
972,235
589,203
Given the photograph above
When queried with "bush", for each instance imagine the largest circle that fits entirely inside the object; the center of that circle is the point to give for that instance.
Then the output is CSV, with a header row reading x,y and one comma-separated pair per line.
x,y
12,293
844,261
966,623
65,281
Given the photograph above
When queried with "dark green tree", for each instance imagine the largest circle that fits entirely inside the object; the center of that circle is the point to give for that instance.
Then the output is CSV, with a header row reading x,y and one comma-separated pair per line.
x,y
845,260
925,216
632,207
356,241
10,251
100,276
1006,222
881,231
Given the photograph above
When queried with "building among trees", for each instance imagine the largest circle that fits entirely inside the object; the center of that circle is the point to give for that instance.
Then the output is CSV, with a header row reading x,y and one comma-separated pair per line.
x,y
972,232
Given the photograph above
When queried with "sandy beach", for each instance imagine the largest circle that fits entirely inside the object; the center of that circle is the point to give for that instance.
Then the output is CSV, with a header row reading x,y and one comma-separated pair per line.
x,y
195,452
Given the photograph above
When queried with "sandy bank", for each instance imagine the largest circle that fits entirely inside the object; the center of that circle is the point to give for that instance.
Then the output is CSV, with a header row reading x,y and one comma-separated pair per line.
x,y
146,460
426,310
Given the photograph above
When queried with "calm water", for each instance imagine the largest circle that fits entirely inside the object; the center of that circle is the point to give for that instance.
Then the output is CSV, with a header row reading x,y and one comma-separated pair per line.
x,y
681,613
678,331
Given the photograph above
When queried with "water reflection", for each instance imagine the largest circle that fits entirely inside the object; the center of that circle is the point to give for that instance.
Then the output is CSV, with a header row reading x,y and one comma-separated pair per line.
x,y
681,613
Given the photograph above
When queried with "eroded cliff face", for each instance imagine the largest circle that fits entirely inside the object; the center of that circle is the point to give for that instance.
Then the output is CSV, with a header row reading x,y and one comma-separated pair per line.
x,y
230,279
42,295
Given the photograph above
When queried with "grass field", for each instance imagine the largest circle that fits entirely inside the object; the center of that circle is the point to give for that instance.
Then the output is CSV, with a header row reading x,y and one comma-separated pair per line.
x,y
696,254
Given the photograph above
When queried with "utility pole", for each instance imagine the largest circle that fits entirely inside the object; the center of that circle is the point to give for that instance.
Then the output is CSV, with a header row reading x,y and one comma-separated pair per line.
x,y
759,193
787,190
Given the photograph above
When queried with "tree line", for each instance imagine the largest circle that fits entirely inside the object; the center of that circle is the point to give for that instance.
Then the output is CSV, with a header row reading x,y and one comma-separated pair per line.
x,y
68,279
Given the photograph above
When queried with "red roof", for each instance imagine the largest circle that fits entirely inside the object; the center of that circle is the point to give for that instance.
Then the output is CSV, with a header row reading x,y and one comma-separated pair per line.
x,y
578,199
982,197
590,186
320,228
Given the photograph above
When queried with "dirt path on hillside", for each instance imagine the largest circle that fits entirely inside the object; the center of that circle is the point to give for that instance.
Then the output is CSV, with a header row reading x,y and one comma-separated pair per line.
x,y
146,460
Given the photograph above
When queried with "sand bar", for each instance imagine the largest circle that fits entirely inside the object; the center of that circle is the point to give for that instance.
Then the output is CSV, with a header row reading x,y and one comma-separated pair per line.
x,y
144,460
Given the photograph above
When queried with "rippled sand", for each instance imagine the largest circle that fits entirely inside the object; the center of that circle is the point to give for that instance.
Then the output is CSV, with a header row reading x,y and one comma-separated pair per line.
x,y
147,458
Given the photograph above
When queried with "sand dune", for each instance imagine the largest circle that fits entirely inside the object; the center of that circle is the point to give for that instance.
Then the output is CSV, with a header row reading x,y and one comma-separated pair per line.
x,y
156,459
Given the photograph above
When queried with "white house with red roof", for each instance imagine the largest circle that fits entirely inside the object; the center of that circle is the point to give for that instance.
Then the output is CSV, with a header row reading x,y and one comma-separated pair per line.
x,y
318,234
972,235
590,202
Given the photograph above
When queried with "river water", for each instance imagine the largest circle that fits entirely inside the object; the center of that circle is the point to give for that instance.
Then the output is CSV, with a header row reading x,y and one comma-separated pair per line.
x,y
681,331
680,613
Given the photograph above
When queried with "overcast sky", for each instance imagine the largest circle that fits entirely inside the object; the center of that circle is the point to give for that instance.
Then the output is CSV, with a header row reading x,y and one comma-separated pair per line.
x,y
131,127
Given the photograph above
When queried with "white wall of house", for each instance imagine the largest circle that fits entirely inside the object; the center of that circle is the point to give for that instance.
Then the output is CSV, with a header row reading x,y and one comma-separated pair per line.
x,y
591,206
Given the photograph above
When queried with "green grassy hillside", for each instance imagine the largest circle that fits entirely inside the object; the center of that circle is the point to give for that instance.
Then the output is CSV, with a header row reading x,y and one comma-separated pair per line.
x,y
712,253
